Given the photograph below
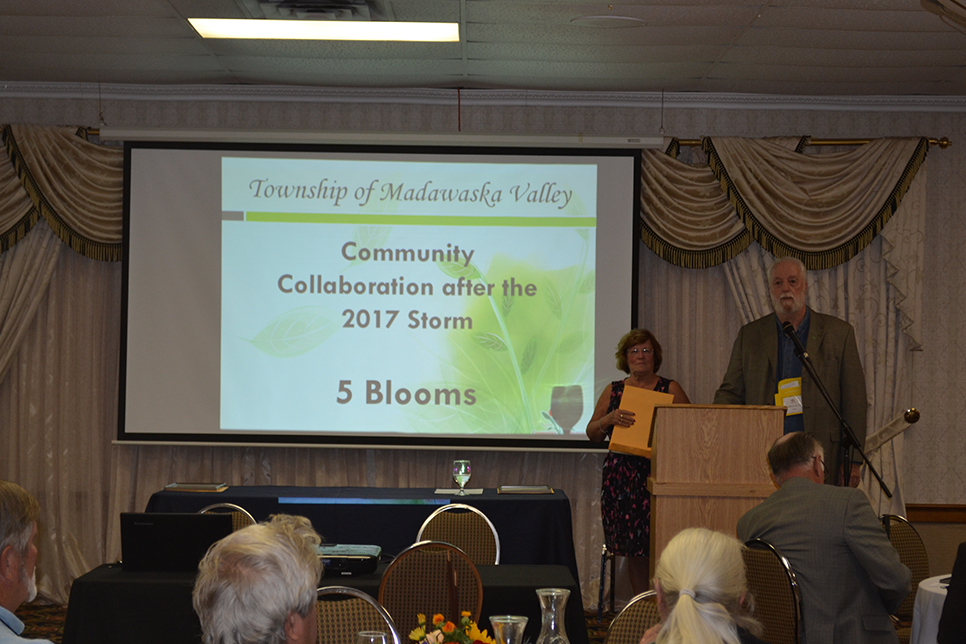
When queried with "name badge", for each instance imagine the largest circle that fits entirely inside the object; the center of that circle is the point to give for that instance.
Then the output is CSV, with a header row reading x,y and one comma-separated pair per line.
x,y
790,396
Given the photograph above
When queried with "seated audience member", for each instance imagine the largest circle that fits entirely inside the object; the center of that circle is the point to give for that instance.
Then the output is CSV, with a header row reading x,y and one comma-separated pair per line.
x,y
258,585
952,624
849,574
18,558
700,585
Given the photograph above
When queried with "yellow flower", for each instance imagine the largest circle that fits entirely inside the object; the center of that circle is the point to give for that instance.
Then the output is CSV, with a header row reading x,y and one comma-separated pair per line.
x,y
420,619
465,613
476,635
418,633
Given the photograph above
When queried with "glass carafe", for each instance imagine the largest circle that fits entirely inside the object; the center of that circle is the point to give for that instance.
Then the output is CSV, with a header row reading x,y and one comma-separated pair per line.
x,y
553,607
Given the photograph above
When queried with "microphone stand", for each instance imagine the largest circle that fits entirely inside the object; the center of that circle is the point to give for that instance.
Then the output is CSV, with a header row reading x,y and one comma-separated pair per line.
x,y
847,439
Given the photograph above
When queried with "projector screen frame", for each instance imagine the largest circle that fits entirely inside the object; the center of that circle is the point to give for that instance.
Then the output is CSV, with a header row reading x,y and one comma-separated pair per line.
x,y
386,441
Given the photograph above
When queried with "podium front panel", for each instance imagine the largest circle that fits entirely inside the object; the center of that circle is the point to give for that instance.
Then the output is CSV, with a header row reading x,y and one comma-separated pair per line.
x,y
709,466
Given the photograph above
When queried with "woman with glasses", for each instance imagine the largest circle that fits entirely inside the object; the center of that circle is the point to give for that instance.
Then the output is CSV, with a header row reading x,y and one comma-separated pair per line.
x,y
625,503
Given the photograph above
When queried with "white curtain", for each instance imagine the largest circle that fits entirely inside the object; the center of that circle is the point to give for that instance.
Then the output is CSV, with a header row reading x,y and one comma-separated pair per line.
x,y
697,313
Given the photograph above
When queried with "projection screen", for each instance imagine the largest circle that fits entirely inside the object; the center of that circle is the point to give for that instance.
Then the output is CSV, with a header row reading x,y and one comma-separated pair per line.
x,y
361,296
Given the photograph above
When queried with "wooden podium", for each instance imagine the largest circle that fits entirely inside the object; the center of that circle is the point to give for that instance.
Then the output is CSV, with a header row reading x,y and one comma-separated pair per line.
x,y
708,467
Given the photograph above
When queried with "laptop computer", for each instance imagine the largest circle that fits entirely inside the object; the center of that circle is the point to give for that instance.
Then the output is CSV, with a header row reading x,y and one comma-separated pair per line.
x,y
169,541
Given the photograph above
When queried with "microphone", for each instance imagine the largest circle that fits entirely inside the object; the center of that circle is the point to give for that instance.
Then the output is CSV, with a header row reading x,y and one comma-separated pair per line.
x,y
789,331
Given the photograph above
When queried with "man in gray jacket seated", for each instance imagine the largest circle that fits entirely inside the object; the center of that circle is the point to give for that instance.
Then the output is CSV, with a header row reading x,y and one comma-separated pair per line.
x,y
850,576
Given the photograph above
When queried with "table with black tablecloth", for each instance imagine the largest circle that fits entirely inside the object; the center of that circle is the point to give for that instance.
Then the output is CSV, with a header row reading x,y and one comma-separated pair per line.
x,y
533,528
111,606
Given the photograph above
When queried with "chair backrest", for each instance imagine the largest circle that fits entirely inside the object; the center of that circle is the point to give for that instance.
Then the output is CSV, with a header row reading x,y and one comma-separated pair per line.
x,y
912,553
466,528
240,517
775,592
630,624
343,612
430,577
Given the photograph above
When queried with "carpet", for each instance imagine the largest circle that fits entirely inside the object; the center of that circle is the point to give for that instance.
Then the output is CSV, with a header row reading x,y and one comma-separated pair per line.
x,y
43,621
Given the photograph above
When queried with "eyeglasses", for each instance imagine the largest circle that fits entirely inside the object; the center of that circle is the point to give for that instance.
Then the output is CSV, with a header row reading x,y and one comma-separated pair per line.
x,y
822,461
639,352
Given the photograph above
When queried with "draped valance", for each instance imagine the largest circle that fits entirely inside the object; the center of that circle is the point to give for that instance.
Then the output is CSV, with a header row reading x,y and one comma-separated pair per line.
x,y
821,208
75,185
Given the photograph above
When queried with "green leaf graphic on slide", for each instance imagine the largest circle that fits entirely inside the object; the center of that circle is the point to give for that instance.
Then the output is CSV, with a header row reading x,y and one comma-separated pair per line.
x,y
457,270
295,332
369,237
490,341
529,355
552,335
506,305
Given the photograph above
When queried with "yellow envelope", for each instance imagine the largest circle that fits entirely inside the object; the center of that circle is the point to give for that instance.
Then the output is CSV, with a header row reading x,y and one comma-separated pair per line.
x,y
636,439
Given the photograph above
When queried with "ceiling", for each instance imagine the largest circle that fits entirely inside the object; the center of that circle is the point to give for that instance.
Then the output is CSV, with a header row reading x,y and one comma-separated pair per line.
x,y
790,47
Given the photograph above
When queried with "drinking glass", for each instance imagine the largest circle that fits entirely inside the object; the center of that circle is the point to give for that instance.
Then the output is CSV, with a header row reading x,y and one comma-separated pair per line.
x,y
508,629
461,474
371,637
567,406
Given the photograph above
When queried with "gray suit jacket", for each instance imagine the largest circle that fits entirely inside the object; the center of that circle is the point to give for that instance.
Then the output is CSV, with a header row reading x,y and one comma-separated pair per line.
x,y
850,576
750,379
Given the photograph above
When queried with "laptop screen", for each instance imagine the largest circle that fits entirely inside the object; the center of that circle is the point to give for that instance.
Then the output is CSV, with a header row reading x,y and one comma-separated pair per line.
x,y
169,541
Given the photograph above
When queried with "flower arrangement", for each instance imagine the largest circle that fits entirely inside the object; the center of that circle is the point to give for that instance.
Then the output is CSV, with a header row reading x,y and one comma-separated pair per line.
x,y
441,631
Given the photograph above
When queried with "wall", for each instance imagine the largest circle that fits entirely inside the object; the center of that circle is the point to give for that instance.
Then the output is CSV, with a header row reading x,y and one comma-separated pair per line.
x,y
934,449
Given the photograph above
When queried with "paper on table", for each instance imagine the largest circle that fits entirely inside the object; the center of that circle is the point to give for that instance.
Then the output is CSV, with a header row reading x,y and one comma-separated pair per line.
x,y
524,489
197,487
636,439
456,491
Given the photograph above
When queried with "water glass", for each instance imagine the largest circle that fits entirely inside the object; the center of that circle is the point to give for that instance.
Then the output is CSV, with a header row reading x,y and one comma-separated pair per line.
x,y
371,637
461,474
508,629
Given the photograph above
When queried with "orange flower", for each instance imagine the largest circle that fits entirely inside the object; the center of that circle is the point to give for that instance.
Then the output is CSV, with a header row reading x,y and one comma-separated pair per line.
x,y
449,627
438,619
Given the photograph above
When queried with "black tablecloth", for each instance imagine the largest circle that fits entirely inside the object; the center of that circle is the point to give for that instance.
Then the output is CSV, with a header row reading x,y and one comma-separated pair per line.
x,y
111,606
507,590
533,528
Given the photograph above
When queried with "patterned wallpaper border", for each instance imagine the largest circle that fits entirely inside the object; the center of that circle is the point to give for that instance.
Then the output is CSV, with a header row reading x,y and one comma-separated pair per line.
x,y
430,96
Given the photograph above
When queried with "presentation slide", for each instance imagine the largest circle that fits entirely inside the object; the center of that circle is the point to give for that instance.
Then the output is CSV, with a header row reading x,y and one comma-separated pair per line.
x,y
362,298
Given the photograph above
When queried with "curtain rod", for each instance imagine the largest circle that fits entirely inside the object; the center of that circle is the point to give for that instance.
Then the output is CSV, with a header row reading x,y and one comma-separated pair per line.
x,y
943,143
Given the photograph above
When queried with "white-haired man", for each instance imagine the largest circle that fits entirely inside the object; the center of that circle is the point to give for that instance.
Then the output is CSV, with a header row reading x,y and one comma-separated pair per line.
x,y
763,364
18,558
259,584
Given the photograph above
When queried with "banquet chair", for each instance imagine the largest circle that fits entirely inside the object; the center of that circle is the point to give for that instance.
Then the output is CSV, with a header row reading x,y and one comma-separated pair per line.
x,y
777,600
430,577
343,612
905,539
466,528
240,517
639,615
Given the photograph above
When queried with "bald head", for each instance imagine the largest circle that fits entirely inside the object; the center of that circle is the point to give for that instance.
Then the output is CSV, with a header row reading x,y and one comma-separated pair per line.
x,y
797,454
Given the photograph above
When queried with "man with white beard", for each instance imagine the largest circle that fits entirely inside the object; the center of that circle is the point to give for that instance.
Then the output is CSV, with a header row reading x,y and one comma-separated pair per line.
x,y
765,371
18,558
